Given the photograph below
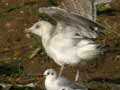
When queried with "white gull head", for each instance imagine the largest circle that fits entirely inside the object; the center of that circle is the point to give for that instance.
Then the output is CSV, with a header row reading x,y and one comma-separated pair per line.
x,y
50,73
40,28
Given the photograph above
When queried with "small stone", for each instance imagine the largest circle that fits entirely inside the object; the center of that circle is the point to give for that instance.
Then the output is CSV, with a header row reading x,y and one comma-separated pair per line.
x,y
21,12
6,4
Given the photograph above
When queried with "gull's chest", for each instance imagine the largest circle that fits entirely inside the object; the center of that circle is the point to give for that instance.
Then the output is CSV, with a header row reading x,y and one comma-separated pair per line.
x,y
61,50
50,84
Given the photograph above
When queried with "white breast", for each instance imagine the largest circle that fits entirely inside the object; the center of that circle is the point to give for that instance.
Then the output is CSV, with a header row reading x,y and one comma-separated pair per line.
x,y
50,84
62,51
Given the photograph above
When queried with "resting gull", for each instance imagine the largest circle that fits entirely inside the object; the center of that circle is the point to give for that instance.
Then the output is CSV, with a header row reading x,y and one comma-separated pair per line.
x,y
56,82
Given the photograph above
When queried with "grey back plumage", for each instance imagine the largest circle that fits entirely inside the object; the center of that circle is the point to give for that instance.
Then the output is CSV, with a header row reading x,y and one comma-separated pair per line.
x,y
64,82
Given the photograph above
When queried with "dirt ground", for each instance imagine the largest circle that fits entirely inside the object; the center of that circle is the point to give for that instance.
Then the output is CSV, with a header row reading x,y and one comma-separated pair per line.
x,y
16,48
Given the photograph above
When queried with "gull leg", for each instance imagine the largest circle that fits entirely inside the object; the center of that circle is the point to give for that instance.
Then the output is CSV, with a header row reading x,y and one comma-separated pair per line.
x,y
77,75
61,70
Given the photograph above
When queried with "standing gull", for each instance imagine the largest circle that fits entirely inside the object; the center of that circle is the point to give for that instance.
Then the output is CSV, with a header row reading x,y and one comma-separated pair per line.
x,y
56,82
70,41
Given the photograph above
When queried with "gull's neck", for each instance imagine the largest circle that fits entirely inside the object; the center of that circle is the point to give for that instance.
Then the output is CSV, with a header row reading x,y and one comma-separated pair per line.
x,y
47,33
46,38
50,79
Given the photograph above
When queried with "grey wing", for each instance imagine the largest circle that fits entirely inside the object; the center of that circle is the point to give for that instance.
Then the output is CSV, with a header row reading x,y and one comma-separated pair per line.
x,y
67,83
85,27
92,28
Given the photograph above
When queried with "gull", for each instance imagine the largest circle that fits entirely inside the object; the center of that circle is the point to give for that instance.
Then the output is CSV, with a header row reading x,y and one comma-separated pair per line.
x,y
70,41
56,82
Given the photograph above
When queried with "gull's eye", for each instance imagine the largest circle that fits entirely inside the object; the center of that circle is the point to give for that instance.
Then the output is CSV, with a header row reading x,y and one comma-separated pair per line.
x,y
63,89
48,73
52,73
37,26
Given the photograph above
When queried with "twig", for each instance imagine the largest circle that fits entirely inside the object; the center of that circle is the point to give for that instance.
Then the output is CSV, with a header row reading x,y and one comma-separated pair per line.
x,y
34,52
